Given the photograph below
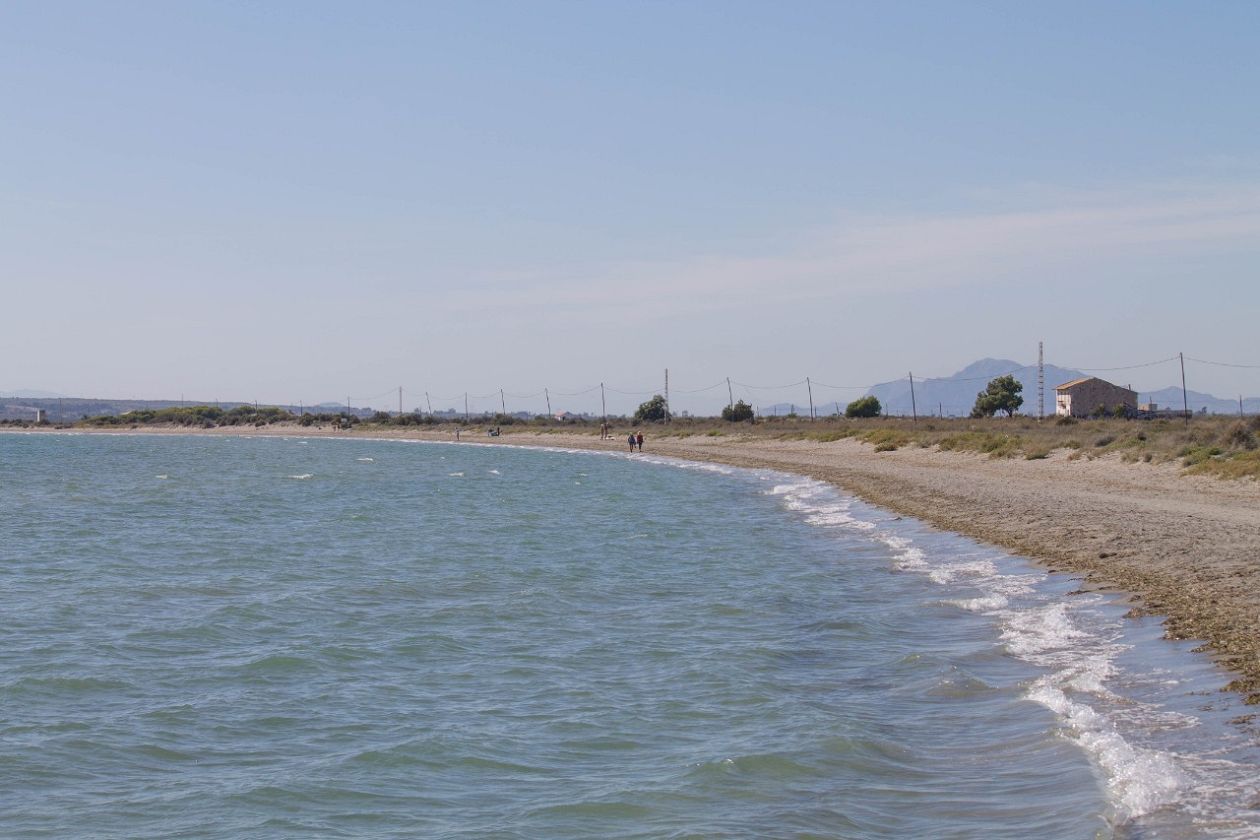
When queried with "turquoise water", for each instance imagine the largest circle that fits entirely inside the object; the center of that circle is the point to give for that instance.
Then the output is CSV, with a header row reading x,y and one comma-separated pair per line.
x,y
238,637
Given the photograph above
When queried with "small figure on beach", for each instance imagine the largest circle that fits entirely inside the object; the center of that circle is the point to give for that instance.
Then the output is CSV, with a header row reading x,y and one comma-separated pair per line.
x,y
630,440
639,440
603,431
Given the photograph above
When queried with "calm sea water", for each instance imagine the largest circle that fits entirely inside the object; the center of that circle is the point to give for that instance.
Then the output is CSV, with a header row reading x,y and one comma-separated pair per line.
x,y
234,637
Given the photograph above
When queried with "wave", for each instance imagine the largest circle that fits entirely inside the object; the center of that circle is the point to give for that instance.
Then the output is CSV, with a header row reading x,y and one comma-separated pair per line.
x,y
1076,651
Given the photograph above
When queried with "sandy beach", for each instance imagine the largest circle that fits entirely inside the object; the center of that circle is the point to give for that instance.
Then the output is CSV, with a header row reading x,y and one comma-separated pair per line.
x,y
1186,547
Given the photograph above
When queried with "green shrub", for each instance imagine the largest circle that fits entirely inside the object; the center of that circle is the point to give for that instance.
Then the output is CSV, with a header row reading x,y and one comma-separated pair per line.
x,y
1239,436
652,411
740,412
1192,455
867,406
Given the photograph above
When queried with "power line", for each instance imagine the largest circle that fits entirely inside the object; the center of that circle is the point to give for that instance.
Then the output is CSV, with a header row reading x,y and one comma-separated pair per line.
x,y
630,393
700,390
844,387
748,389
576,393
1221,364
1127,367
769,387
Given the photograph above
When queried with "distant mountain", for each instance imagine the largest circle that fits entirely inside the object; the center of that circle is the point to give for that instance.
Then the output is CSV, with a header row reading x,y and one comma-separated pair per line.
x,y
27,393
1170,397
955,395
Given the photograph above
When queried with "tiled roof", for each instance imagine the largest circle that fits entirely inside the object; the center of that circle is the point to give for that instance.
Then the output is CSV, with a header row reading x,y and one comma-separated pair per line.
x,y
1073,382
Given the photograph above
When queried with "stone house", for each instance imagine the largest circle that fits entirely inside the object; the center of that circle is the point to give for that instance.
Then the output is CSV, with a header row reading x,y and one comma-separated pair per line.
x,y
1082,397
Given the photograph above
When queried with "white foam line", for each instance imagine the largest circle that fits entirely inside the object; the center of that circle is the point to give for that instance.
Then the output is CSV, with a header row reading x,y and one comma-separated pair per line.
x,y
1079,662
1138,780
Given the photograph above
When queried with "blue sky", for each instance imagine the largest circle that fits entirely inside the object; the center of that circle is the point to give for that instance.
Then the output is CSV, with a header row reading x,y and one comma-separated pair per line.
x,y
303,201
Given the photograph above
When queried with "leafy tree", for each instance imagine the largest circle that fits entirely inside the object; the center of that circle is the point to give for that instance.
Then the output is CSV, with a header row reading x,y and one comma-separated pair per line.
x,y
652,411
1002,394
739,413
867,406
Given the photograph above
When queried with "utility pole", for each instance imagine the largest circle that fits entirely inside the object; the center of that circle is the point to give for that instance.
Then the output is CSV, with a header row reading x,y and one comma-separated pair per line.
x,y
603,403
730,395
1185,399
1240,413
914,409
547,394
666,395
1041,382
502,404
429,404
810,388
301,409
400,401
465,406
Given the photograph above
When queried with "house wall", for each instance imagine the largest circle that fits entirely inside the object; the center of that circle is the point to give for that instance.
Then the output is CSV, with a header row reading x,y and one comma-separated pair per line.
x,y
1084,398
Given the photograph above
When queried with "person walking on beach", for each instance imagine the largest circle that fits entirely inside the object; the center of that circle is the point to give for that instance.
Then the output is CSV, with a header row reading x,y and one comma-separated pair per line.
x,y
639,440
630,440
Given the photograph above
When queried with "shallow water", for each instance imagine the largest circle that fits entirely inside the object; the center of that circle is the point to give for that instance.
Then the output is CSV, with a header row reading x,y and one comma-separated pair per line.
x,y
225,637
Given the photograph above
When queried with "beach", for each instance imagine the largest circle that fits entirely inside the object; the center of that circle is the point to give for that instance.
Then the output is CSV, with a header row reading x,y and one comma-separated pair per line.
x,y
1185,547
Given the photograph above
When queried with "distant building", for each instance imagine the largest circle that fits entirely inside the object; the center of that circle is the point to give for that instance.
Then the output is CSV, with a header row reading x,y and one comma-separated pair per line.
x,y
1084,397
41,416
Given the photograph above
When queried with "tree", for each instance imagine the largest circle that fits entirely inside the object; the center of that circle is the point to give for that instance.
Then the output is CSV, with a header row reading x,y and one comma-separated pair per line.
x,y
652,411
867,406
1002,394
739,413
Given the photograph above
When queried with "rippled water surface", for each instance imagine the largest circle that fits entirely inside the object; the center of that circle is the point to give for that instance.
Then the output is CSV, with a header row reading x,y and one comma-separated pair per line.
x,y
237,637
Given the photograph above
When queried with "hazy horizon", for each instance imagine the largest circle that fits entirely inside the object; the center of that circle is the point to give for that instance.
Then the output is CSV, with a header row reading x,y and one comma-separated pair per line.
x,y
303,202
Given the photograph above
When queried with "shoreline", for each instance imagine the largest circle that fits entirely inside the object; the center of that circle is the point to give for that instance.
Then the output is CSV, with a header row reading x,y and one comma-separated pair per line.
x,y
1187,548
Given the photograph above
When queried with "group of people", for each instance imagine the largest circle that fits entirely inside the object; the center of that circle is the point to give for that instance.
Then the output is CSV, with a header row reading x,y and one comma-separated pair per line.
x,y
635,439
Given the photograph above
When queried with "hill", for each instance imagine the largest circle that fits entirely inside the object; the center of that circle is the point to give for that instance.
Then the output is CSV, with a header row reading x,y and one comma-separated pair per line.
x,y
955,395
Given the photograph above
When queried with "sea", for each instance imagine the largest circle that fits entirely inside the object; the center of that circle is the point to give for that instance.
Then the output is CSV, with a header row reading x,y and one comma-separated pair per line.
x,y
248,637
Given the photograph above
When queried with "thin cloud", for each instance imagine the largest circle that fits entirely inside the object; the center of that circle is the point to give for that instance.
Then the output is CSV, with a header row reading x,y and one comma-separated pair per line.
x,y
866,255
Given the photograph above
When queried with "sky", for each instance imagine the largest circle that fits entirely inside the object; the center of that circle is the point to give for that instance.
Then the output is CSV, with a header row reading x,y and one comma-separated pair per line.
x,y
312,201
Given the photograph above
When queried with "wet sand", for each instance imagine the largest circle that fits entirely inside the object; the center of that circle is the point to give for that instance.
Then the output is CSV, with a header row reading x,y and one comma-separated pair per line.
x,y
1187,547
